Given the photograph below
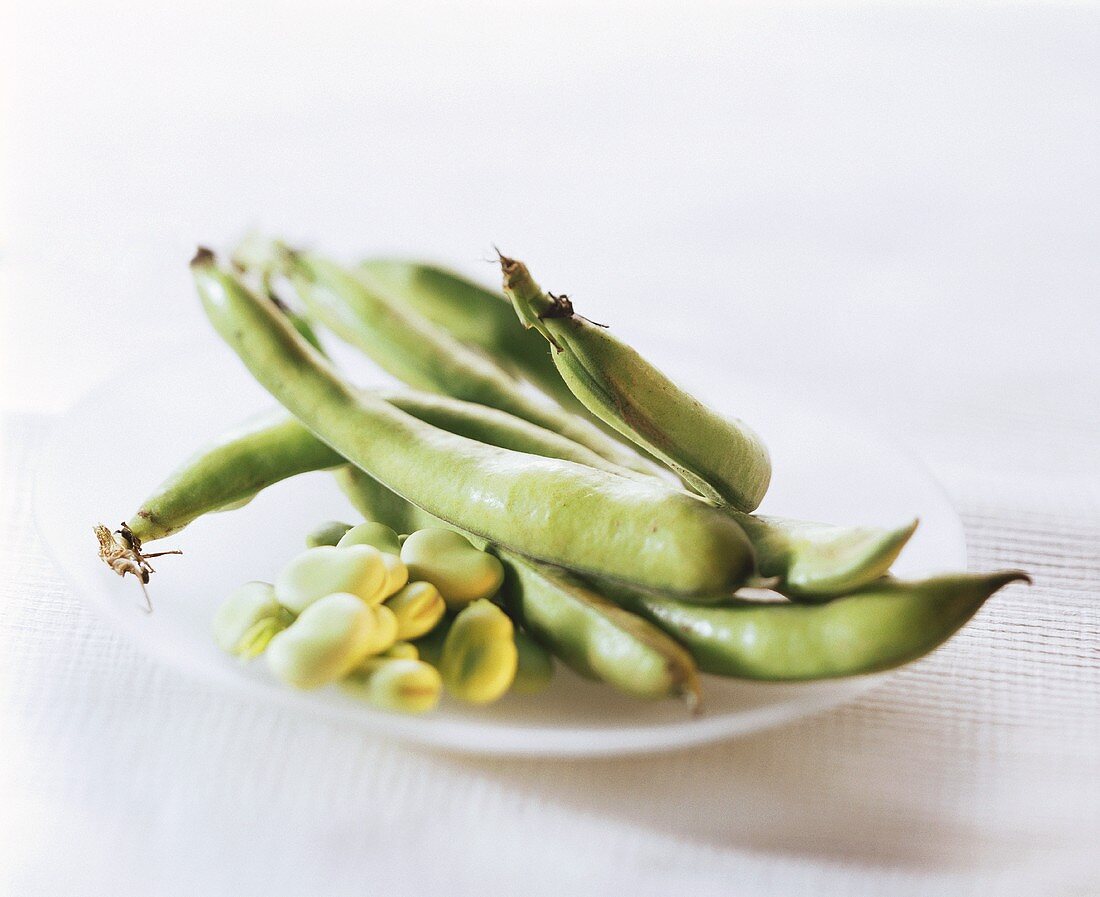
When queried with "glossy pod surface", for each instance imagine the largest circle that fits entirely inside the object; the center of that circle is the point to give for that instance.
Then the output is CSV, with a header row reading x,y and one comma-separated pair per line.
x,y
231,471
556,511
879,627
375,502
812,561
720,458
276,446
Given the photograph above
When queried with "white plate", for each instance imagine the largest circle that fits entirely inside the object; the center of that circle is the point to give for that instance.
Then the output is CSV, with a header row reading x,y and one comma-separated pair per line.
x,y
116,445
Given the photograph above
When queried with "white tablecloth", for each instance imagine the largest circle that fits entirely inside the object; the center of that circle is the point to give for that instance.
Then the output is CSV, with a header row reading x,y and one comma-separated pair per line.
x,y
889,210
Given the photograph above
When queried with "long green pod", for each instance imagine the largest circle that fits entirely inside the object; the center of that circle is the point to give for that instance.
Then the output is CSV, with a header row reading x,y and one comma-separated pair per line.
x,y
472,314
720,458
230,471
812,561
876,628
556,511
594,636
425,356
276,446
819,561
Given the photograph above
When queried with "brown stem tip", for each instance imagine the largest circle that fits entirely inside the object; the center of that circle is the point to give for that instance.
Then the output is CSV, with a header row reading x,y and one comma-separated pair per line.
x,y
121,551
507,265
203,256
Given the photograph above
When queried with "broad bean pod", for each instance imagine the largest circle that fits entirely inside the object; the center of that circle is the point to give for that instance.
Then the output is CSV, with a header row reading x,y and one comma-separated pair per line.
x,y
535,666
720,458
881,626
812,561
231,471
375,502
819,561
239,464
560,512
595,636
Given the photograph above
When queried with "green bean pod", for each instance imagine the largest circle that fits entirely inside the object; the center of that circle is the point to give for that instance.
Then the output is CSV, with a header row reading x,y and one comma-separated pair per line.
x,y
819,561
472,314
721,459
594,636
427,357
231,471
560,512
876,628
812,561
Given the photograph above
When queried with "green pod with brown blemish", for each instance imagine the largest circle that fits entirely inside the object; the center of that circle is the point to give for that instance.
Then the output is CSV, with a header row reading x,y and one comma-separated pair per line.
x,y
720,458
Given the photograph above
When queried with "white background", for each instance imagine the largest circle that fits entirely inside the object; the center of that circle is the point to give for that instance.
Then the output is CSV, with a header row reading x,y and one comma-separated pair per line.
x,y
884,208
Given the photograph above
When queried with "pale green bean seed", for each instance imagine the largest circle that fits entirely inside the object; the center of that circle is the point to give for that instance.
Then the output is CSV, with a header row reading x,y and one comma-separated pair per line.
x,y
248,619
385,540
418,607
403,685
328,640
370,533
402,651
397,575
479,654
328,533
447,560
385,629
322,571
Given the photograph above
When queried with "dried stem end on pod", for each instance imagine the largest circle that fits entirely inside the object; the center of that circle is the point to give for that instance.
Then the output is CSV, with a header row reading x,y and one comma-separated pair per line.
x,y
121,551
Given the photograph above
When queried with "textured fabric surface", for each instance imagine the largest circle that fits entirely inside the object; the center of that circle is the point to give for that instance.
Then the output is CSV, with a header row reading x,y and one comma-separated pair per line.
x,y
974,771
